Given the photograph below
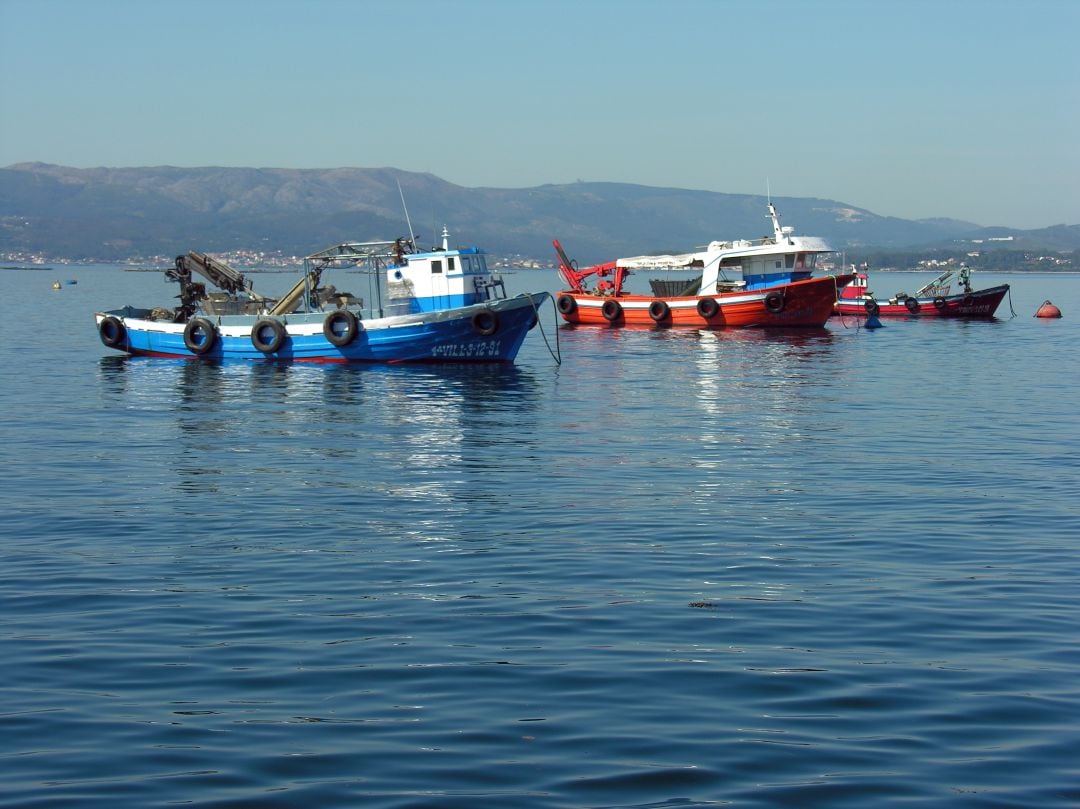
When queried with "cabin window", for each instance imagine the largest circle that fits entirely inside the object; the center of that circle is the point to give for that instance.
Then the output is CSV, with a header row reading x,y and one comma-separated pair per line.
x,y
779,265
449,263
800,262
789,261
436,265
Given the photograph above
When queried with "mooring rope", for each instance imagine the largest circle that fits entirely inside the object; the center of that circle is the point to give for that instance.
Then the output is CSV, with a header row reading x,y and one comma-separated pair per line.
x,y
557,353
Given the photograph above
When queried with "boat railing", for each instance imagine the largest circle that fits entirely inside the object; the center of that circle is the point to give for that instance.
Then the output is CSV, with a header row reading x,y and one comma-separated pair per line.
x,y
934,292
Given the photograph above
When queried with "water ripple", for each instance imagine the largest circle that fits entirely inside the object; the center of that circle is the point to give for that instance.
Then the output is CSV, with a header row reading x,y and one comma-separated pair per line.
x,y
682,569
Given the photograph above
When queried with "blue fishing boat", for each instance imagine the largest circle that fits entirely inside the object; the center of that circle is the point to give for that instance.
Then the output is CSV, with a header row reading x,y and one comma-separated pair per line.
x,y
440,305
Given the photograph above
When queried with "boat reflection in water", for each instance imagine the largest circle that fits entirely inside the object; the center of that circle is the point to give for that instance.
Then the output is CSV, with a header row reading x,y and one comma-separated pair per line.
x,y
322,429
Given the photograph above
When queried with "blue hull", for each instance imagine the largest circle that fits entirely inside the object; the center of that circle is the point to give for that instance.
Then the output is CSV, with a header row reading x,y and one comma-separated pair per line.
x,y
489,332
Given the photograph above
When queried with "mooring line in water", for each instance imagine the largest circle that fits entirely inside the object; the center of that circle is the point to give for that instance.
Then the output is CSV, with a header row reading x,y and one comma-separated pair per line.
x,y
844,323
557,354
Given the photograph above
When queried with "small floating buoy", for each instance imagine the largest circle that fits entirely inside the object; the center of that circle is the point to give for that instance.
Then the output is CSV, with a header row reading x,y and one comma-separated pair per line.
x,y
873,322
56,285
1048,310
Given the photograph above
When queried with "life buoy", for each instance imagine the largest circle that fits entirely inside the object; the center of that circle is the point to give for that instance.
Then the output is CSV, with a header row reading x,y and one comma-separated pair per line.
x,y
566,304
871,306
340,327
707,308
939,303
267,335
112,332
611,310
774,302
912,305
659,311
485,322
199,335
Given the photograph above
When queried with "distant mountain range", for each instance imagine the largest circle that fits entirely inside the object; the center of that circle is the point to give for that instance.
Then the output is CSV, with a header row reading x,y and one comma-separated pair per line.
x,y
116,214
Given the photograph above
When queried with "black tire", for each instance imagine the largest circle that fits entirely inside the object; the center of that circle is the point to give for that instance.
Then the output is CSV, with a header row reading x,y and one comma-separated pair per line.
x,y
112,332
659,311
912,305
708,308
939,303
611,310
340,327
774,302
871,307
485,322
566,305
267,344
200,336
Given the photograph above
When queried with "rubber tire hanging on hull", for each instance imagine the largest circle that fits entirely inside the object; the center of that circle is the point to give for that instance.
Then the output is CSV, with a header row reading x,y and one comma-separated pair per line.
x,y
939,303
566,305
708,308
871,307
277,336
112,332
774,303
611,310
912,305
659,311
191,338
340,317
485,322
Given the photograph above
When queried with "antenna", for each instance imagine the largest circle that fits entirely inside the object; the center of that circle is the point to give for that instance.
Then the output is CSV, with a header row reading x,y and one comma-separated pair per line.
x,y
412,238
768,191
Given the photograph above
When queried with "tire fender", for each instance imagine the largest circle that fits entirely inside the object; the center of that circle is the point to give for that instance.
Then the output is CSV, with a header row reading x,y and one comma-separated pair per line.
x,y
340,327
276,336
200,345
611,310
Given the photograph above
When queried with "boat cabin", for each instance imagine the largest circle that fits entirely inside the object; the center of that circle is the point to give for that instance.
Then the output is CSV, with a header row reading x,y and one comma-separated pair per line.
x,y
767,262
782,258
404,281
440,279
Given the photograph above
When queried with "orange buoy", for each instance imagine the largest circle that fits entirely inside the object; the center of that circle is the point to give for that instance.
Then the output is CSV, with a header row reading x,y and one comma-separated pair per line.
x,y
1048,310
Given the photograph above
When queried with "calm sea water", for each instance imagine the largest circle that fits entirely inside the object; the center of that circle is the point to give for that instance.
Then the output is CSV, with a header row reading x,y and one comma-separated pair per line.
x,y
834,568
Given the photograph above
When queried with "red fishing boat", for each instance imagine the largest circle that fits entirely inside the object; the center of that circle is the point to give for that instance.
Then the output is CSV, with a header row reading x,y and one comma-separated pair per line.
x,y
767,282
939,298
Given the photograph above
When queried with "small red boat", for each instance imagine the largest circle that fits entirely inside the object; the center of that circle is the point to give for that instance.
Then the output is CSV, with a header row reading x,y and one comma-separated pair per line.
x,y
936,299
775,287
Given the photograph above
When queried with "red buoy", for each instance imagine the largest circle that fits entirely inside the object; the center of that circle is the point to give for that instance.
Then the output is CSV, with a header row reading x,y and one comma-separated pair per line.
x,y
1048,310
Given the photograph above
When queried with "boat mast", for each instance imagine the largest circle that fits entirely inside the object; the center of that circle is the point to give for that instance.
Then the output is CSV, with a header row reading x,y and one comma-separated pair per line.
x,y
778,232
412,237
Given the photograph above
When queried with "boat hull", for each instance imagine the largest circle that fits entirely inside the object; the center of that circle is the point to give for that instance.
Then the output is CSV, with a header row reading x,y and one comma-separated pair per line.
x,y
982,303
489,332
807,303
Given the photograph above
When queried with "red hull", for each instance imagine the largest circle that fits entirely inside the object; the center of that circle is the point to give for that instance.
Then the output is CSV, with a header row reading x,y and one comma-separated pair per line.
x,y
802,303
978,304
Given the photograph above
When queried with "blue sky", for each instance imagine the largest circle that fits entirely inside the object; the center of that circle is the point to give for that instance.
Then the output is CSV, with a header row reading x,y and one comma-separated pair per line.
x,y
917,108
